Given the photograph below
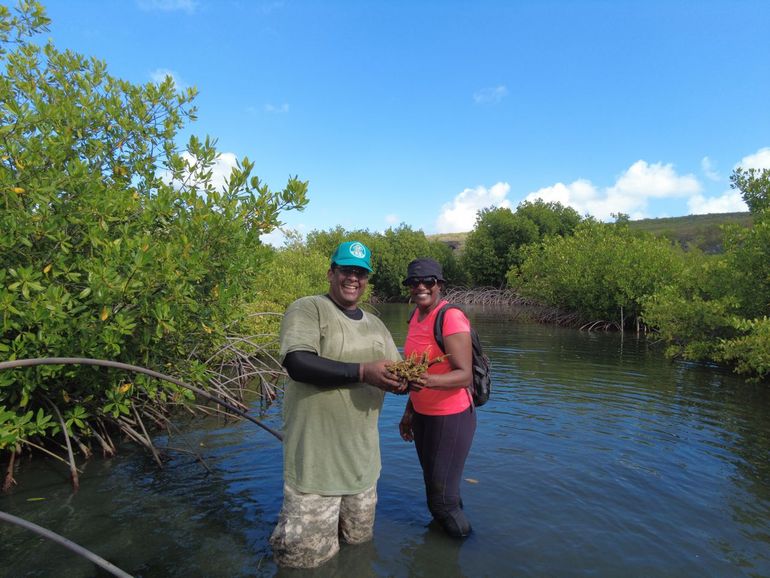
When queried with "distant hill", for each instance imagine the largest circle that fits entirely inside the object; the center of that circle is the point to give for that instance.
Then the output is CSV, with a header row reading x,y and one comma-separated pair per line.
x,y
455,240
702,231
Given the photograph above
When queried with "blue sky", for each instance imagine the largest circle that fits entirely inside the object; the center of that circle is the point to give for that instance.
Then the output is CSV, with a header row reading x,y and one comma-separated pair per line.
x,y
424,112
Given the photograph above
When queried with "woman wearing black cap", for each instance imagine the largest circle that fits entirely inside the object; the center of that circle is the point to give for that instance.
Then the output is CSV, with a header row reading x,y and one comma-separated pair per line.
x,y
439,415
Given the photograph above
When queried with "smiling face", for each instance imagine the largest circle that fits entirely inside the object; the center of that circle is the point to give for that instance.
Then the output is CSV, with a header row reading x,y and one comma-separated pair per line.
x,y
346,285
425,292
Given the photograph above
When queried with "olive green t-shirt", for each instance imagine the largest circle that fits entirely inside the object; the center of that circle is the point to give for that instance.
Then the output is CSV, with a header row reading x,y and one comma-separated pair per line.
x,y
331,441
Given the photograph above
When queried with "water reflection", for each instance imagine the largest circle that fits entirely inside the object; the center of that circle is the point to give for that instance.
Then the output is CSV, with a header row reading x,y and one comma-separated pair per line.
x,y
594,457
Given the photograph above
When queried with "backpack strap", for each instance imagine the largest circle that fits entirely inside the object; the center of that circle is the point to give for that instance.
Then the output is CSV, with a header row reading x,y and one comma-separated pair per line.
x,y
438,327
438,335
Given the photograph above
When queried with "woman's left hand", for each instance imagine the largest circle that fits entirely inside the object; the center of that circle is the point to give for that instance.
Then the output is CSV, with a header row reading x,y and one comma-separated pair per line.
x,y
405,426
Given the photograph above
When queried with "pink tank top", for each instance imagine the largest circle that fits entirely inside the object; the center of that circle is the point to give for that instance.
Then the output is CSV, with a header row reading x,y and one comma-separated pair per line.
x,y
419,338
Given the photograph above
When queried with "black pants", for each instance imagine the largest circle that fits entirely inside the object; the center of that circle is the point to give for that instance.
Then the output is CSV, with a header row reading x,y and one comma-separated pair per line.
x,y
443,443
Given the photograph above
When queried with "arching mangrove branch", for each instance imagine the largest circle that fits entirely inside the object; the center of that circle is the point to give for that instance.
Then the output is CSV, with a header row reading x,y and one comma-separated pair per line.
x,y
136,369
69,544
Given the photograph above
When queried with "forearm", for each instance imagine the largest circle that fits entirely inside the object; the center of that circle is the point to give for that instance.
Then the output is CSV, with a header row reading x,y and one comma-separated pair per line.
x,y
455,379
307,367
459,350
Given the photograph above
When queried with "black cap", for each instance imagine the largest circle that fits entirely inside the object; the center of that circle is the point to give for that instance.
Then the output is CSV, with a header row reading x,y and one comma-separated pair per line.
x,y
424,268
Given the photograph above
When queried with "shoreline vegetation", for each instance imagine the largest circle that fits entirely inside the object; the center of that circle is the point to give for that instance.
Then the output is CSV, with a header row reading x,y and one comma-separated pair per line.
x,y
116,245
522,308
703,232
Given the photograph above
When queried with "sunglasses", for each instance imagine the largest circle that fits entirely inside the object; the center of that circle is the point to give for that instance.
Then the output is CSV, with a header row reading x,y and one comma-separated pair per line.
x,y
414,282
355,271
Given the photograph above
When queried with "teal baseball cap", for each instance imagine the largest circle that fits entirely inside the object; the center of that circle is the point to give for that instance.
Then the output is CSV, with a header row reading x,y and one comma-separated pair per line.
x,y
352,254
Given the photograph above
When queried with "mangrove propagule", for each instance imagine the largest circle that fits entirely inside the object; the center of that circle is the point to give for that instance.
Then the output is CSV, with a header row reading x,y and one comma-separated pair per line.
x,y
410,370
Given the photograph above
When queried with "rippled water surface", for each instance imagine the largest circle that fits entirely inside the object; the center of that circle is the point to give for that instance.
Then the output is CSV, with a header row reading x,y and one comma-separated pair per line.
x,y
594,457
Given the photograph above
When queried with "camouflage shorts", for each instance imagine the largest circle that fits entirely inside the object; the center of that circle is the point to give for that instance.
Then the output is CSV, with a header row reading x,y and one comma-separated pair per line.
x,y
309,526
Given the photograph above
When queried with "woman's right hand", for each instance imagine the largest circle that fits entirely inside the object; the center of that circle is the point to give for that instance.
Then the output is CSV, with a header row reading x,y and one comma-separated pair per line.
x,y
418,383
405,426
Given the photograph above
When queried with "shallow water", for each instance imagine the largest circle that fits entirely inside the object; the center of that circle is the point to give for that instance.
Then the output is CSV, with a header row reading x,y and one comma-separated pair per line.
x,y
595,457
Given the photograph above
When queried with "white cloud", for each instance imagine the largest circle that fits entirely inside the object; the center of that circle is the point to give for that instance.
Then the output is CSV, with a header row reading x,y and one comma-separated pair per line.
x,y
729,202
630,194
223,166
188,6
491,95
284,236
581,195
221,169
276,238
657,181
759,160
708,169
277,109
459,215
392,219
159,75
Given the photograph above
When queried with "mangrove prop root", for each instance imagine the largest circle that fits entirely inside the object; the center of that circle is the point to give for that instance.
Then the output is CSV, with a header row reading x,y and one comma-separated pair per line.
x,y
147,437
140,439
108,447
137,369
107,450
9,480
46,452
84,449
73,467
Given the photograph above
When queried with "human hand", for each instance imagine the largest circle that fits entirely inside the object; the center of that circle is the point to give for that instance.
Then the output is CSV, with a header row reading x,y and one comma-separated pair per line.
x,y
378,374
419,383
405,426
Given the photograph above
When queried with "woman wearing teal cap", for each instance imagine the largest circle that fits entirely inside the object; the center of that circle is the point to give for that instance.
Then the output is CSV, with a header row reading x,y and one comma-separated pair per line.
x,y
337,358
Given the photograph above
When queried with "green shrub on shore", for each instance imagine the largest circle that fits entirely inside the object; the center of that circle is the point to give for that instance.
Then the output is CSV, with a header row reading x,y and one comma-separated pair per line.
x,y
749,352
602,272
722,314
501,236
114,244
293,271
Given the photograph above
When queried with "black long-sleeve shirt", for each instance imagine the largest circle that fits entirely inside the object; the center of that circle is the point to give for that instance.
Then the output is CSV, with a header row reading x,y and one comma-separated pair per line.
x,y
308,367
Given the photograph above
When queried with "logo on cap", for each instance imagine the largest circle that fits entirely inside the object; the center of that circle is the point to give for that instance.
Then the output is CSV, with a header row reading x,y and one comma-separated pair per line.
x,y
358,250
